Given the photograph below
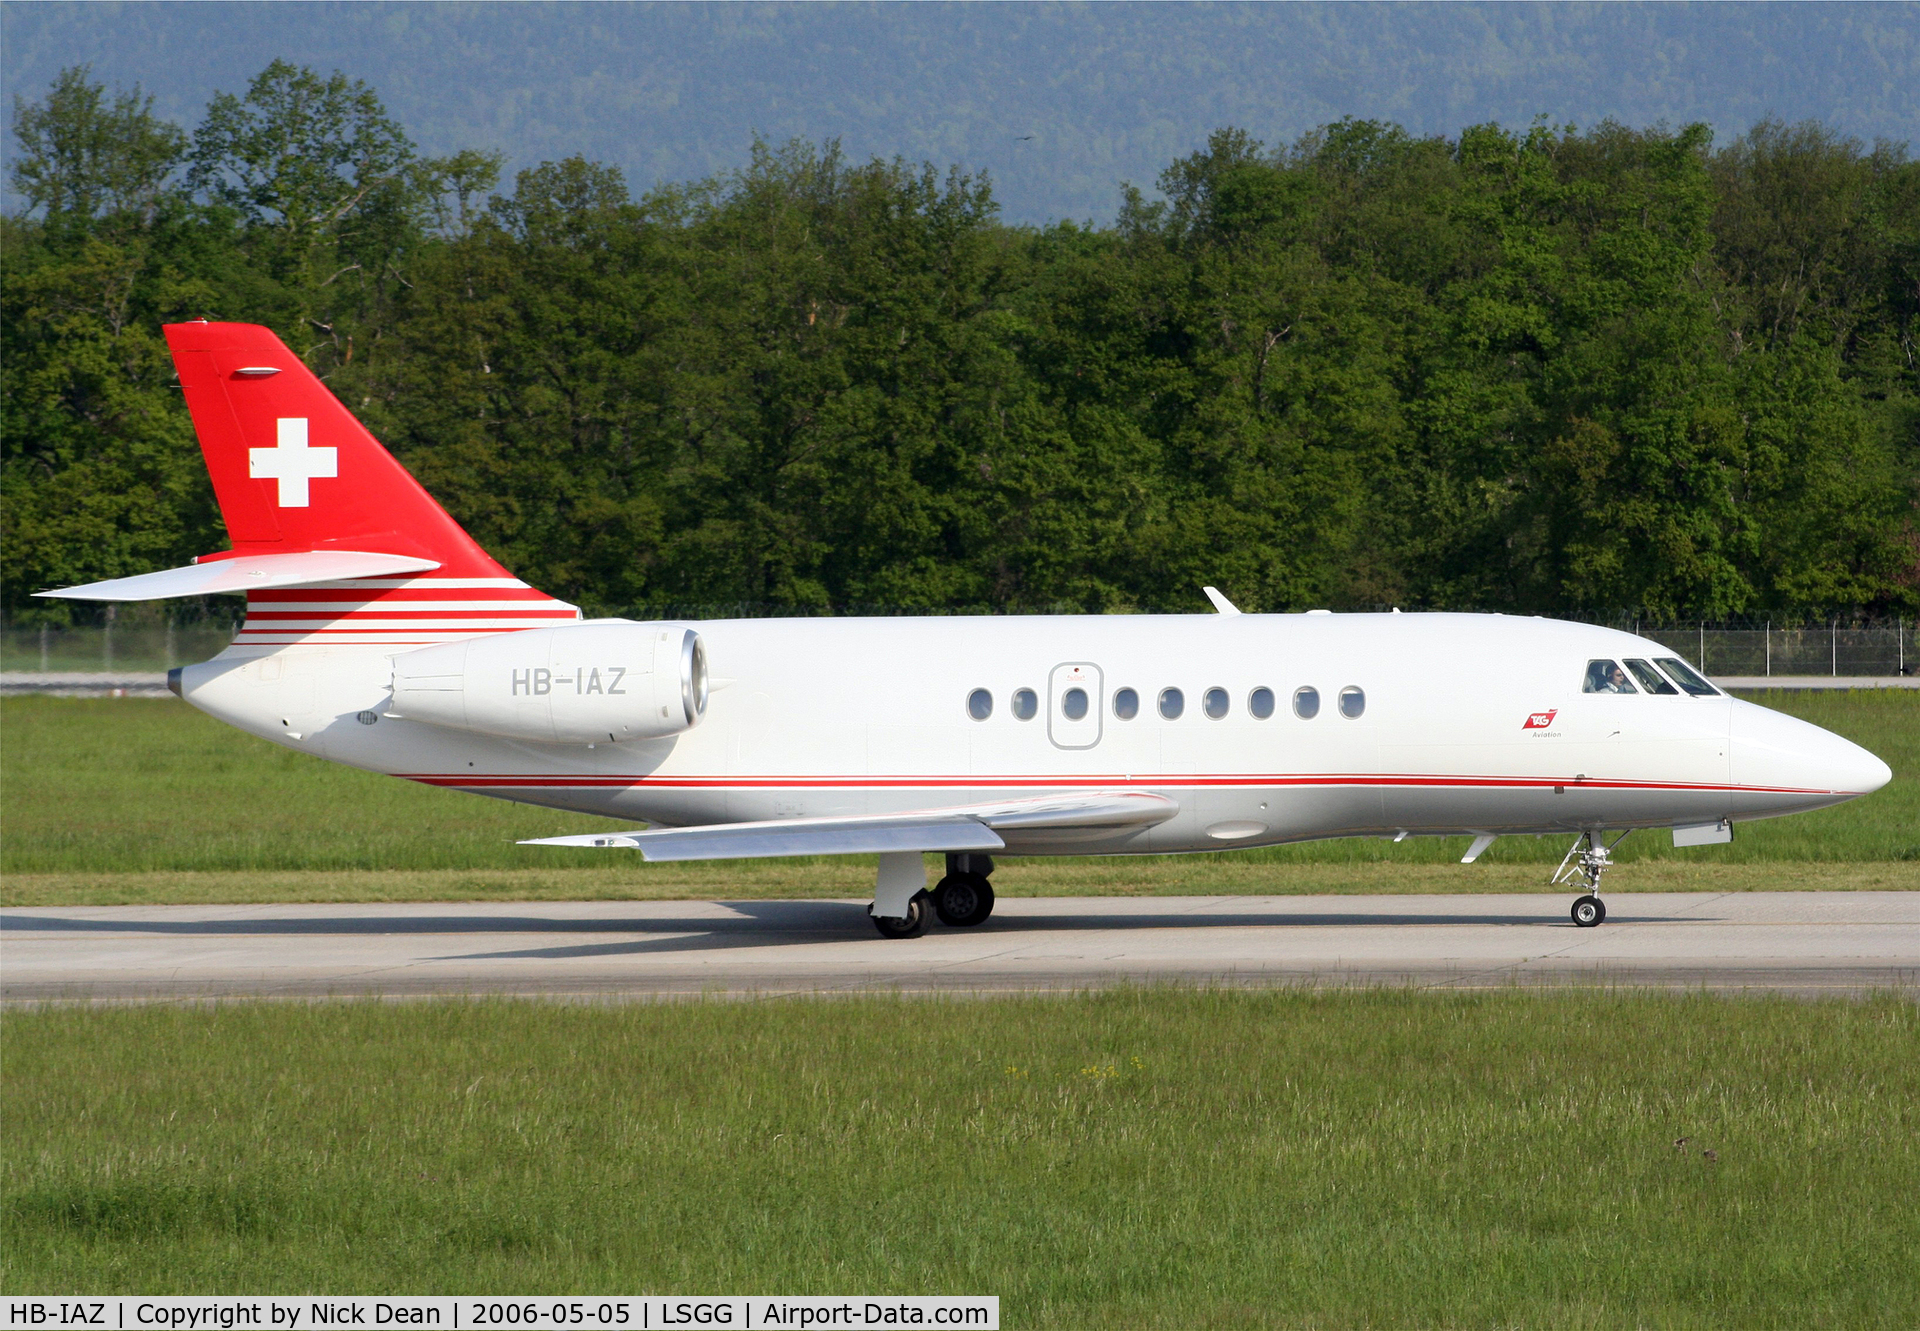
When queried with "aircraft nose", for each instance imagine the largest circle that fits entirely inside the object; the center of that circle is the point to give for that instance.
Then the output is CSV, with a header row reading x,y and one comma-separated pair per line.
x,y
1771,749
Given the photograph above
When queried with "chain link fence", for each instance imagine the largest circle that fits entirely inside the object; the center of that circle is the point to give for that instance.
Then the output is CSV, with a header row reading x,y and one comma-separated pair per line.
x,y
112,649
1884,647
1869,648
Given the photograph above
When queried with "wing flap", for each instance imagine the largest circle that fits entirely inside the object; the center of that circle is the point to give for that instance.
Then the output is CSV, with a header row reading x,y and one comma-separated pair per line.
x,y
974,827
839,836
247,573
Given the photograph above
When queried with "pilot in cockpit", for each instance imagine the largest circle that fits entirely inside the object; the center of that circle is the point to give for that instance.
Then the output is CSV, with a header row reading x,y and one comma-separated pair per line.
x,y
1607,677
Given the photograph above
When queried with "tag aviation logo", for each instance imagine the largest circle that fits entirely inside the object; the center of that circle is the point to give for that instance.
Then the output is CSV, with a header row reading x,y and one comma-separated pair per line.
x,y
292,463
1540,720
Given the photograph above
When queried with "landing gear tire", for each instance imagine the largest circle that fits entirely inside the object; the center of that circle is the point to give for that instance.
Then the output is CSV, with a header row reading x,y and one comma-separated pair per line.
x,y
1589,911
963,900
911,925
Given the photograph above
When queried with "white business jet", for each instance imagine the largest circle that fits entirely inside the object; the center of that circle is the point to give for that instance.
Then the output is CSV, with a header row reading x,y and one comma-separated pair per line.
x,y
378,634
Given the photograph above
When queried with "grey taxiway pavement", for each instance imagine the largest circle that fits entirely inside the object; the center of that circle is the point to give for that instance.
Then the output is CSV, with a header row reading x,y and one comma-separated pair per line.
x,y
1806,942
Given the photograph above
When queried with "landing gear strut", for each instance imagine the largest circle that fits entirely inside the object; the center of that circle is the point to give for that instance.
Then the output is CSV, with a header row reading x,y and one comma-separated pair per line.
x,y
901,905
910,925
1589,858
964,897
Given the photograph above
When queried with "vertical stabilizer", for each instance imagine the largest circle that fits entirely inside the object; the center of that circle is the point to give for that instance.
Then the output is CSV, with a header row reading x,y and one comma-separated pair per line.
x,y
294,471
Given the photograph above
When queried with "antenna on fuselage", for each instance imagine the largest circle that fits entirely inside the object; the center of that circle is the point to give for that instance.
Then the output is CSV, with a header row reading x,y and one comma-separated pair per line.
x,y
1220,602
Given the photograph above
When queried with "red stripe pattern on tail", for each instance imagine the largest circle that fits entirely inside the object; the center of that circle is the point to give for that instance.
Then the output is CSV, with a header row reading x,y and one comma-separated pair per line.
x,y
398,612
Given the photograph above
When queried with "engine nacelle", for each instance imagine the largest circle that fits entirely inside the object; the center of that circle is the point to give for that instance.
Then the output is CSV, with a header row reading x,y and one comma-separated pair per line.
x,y
583,684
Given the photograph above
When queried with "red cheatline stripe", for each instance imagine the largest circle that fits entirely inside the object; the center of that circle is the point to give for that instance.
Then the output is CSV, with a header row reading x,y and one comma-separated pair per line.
x,y
406,594
436,627
1077,782
386,616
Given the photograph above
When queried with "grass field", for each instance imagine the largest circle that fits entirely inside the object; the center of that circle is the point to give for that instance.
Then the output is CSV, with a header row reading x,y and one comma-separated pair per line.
x,y
138,801
1134,1158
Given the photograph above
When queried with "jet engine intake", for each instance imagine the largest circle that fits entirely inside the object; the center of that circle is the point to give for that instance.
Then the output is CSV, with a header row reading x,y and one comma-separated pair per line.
x,y
595,683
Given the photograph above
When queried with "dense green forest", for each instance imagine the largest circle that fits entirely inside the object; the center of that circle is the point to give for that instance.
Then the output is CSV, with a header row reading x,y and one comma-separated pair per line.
x,y
1543,370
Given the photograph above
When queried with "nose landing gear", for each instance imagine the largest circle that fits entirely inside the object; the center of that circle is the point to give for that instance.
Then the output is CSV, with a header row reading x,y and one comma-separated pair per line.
x,y
1588,859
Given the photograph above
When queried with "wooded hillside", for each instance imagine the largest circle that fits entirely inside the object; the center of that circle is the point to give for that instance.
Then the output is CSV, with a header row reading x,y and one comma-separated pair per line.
x,y
1539,370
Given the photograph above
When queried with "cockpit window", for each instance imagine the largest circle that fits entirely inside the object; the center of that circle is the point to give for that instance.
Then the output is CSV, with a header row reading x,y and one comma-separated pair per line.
x,y
1684,675
1649,678
1607,677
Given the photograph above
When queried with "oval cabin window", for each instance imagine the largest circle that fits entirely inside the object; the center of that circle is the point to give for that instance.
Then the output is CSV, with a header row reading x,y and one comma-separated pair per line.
x,y
979,704
1306,703
1073,703
1172,703
1353,701
1126,704
1026,704
1214,703
1260,703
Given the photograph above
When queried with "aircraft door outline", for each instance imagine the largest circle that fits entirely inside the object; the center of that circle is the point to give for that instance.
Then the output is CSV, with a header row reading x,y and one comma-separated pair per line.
x,y
1066,730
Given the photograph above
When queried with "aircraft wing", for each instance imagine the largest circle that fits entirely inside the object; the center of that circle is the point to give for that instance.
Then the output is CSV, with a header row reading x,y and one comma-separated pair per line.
x,y
974,827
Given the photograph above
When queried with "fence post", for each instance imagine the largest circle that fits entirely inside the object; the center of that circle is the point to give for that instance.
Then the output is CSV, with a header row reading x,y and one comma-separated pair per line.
x,y
1833,650
1769,649
169,643
43,649
1703,646
107,649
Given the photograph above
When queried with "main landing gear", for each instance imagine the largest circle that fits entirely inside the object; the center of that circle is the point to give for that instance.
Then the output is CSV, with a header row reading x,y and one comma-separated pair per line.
x,y
962,899
1589,858
910,925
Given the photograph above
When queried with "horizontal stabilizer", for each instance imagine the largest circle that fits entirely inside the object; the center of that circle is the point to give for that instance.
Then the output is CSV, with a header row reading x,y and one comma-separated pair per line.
x,y
246,573
975,827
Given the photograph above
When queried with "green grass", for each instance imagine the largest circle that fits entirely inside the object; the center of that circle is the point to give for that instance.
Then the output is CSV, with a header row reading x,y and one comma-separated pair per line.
x,y
129,800
1133,1158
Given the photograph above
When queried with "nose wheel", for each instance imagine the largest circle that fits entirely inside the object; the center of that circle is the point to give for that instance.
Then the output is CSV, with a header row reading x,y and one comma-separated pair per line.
x,y
1584,864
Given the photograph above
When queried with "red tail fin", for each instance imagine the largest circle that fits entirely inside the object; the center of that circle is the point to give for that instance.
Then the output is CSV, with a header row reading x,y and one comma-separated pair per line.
x,y
294,471
292,468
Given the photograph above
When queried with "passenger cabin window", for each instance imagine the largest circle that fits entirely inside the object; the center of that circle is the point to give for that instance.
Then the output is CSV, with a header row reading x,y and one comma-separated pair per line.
x,y
1214,703
1073,703
1172,703
1306,703
1606,677
979,704
1026,704
1353,701
1685,676
1260,703
1126,704
1650,679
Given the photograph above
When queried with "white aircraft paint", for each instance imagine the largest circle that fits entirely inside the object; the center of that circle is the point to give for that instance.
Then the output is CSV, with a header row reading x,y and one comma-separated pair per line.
x,y
379,635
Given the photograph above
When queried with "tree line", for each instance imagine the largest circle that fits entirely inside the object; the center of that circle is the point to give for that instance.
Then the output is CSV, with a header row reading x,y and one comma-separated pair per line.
x,y
1545,370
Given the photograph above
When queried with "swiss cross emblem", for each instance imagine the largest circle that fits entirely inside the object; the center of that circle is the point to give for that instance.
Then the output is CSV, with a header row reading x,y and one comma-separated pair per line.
x,y
292,463
1540,720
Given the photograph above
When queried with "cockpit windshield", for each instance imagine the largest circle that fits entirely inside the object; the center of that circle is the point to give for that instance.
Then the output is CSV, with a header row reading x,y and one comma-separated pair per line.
x,y
1685,676
1649,678
1606,677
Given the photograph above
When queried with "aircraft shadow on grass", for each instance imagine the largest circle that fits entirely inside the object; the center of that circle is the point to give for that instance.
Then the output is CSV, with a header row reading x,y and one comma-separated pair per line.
x,y
753,924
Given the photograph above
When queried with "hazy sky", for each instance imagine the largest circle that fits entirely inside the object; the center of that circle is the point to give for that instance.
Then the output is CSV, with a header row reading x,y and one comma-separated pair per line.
x,y
1059,102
